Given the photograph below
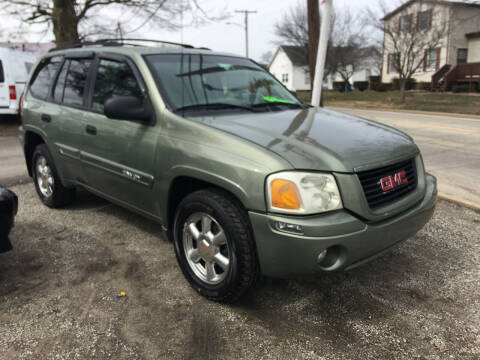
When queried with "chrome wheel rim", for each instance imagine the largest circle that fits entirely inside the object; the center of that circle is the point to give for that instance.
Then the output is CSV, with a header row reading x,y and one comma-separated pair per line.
x,y
206,248
45,179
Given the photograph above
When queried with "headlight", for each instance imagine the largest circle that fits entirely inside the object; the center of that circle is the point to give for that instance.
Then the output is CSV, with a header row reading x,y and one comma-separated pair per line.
x,y
302,193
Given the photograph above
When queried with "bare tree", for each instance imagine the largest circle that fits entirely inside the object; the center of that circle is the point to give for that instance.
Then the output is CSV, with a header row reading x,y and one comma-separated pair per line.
x,y
266,57
408,39
347,51
75,20
345,54
292,29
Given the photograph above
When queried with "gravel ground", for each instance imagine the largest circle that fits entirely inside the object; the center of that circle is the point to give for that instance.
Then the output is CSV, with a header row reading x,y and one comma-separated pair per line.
x,y
58,296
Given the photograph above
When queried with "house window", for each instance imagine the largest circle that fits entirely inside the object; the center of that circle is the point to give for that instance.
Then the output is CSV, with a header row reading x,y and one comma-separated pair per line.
x,y
285,78
393,63
424,20
406,23
432,58
307,77
462,56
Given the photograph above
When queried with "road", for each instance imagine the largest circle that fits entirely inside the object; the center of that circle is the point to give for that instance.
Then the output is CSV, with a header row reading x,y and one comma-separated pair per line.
x,y
12,162
450,146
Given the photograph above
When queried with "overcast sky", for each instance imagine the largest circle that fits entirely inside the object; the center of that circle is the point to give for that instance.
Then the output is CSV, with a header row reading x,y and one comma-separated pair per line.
x,y
230,38
222,37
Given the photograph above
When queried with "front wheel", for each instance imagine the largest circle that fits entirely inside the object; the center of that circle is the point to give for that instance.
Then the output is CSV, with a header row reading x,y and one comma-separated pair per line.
x,y
214,245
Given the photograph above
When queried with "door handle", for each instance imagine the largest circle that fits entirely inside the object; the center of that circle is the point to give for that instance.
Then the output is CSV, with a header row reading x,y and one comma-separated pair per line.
x,y
92,130
47,118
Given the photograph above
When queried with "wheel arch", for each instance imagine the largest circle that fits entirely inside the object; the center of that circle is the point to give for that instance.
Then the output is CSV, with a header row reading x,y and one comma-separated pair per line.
x,y
32,140
183,185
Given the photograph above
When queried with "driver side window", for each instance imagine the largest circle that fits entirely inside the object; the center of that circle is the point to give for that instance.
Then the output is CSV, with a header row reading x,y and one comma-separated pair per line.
x,y
114,78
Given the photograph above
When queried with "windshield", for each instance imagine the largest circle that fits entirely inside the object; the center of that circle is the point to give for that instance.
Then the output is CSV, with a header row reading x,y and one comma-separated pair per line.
x,y
199,82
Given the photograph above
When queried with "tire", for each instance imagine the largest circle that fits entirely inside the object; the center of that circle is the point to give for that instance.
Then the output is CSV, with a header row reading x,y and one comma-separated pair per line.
x,y
237,245
52,193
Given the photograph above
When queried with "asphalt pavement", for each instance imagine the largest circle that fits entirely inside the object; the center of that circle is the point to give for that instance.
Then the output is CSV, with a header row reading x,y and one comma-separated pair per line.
x,y
13,168
450,146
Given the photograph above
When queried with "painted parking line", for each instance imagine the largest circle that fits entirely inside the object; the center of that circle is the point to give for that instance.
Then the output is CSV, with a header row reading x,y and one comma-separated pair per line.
x,y
411,123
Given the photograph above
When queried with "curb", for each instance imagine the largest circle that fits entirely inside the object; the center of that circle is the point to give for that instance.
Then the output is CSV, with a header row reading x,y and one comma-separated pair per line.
x,y
464,203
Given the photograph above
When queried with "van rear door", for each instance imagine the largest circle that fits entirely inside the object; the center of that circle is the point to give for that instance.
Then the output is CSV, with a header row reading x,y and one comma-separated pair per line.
x,y
4,92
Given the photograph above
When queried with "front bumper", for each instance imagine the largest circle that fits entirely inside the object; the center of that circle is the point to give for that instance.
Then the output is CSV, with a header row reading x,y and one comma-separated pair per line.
x,y
349,241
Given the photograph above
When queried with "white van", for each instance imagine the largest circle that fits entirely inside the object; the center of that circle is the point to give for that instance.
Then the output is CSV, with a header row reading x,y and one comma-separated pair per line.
x,y
15,67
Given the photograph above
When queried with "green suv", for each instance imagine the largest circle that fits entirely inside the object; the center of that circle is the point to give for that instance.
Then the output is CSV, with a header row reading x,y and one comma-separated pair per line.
x,y
244,178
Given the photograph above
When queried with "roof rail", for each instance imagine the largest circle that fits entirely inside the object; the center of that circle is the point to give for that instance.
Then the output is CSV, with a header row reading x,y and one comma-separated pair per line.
x,y
118,42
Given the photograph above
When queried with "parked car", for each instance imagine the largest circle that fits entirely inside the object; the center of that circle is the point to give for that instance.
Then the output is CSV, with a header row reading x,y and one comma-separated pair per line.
x,y
15,67
244,178
8,210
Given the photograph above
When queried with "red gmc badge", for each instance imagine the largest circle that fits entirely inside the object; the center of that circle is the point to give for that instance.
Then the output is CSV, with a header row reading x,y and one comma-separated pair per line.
x,y
391,182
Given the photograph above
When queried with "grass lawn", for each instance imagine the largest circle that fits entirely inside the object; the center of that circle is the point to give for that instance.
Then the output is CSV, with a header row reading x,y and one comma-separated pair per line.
x,y
416,100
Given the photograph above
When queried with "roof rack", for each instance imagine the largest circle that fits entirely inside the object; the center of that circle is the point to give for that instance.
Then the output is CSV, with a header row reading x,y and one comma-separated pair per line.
x,y
119,42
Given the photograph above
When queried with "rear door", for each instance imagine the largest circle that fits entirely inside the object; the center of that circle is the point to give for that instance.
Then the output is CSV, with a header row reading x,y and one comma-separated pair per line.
x,y
4,92
118,155
67,115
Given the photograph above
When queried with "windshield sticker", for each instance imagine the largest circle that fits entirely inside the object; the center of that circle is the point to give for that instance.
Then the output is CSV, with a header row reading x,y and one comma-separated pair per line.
x,y
225,66
272,99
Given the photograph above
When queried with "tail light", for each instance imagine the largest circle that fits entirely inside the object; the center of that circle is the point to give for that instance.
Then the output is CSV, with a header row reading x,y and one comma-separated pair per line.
x,y
20,108
13,92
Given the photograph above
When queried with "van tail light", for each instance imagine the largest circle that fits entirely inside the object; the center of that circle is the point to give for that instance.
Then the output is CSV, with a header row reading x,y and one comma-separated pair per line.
x,y
13,92
20,108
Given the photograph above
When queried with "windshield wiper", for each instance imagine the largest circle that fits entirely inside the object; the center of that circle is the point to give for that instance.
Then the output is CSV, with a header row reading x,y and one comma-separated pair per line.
x,y
213,106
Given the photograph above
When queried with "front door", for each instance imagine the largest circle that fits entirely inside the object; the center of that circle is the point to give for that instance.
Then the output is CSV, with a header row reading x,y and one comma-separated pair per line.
x,y
118,155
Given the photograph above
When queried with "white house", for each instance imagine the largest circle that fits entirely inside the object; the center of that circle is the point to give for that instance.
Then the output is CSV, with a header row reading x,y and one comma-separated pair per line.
x,y
289,65
460,44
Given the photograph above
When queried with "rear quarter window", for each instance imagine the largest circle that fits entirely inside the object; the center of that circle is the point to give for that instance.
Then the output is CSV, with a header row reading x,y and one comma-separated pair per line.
x,y
44,77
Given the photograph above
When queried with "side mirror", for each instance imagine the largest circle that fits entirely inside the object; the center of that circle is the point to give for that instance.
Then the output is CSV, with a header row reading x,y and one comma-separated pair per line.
x,y
127,108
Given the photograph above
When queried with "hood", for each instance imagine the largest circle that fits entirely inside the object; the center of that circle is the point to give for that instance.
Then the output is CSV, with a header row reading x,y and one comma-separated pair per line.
x,y
319,139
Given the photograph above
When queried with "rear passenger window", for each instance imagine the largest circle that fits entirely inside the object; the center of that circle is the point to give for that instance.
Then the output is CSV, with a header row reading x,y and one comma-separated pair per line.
x,y
43,80
76,81
114,78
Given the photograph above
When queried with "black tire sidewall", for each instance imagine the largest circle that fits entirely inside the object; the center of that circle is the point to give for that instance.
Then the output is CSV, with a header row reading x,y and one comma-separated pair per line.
x,y
190,206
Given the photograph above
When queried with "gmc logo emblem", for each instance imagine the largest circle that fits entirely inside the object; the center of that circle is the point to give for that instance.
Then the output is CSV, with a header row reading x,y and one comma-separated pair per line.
x,y
391,182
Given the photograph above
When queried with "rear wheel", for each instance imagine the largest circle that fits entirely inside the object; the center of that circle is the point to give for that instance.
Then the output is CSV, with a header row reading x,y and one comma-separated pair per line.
x,y
47,182
214,245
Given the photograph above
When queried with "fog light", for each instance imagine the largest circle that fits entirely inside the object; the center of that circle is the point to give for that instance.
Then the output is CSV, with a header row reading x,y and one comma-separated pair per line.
x,y
321,256
289,228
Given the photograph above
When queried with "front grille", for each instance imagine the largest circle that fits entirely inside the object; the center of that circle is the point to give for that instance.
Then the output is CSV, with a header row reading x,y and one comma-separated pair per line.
x,y
371,183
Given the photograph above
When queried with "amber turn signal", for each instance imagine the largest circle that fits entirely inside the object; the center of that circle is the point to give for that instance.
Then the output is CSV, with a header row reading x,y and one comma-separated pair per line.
x,y
284,194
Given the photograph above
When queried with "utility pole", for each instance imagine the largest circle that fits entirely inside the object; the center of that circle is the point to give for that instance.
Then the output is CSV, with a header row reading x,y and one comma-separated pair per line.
x,y
322,51
246,13
313,12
